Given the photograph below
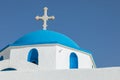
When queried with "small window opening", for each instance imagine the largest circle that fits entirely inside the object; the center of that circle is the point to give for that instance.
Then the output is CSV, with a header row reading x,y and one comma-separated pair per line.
x,y
33,56
1,58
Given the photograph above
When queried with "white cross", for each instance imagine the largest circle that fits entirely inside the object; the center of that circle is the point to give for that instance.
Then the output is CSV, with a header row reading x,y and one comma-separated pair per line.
x,y
45,18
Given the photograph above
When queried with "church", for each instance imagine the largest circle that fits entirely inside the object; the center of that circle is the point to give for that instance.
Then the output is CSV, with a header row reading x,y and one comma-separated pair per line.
x,y
50,55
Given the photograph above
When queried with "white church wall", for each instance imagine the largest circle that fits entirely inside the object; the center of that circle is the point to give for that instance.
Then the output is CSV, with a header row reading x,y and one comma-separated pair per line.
x,y
4,64
51,56
63,56
47,57
81,74
5,53
19,55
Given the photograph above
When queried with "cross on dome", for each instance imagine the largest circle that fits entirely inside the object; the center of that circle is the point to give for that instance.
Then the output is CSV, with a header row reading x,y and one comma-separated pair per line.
x,y
45,18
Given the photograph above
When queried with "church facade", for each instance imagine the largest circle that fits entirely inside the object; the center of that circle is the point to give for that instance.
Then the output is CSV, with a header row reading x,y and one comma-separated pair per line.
x,y
49,55
54,51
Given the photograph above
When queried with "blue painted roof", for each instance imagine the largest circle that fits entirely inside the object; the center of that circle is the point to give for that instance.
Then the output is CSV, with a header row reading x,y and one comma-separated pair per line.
x,y
46,37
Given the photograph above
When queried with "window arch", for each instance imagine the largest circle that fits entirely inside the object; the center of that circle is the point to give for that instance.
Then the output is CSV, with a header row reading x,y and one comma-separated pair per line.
x,y
33,56
73,61
9,69
1,58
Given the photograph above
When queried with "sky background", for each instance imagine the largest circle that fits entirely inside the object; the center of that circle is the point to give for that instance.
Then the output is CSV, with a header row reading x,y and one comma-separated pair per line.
x,y
93,24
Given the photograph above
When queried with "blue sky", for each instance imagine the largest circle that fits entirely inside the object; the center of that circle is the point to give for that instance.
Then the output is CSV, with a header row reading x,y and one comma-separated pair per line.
x,y
93,24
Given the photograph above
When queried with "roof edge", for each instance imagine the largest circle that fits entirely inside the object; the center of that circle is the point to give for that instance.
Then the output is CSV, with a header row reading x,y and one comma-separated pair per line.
x,y
4,48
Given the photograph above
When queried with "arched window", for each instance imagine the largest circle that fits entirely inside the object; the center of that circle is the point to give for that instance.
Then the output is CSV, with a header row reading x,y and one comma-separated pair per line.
x,y
9,69
73,61
1,58
33,56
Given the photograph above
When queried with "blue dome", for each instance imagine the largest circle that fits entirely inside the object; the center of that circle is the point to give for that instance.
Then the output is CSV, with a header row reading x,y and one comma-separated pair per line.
x,y
46,37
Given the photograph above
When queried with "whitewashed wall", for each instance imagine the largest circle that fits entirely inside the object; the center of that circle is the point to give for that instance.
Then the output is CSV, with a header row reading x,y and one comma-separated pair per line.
x,y
63,56
51,56
19,56
6,53
4,64
81,74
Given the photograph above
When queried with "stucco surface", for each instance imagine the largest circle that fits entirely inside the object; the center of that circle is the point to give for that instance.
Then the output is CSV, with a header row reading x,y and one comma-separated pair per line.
x,y
81,74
